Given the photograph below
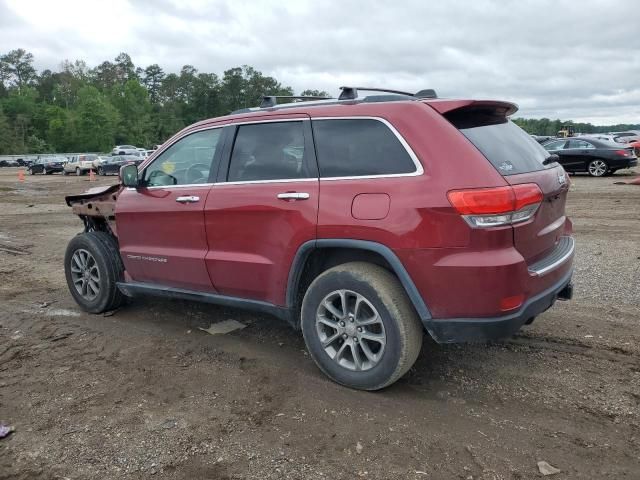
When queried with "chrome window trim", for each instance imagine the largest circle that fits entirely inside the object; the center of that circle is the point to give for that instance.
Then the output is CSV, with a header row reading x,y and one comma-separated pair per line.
x,y
283,180
419,168
418,172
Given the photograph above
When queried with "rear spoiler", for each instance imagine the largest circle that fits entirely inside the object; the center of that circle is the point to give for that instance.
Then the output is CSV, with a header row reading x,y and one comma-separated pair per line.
x,y
496,107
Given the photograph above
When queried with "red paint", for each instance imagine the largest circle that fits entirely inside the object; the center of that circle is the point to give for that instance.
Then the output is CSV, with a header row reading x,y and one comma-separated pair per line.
x,y
370,206
240,240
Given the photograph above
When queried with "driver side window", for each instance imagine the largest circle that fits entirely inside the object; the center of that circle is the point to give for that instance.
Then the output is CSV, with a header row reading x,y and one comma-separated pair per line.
x,y
188,161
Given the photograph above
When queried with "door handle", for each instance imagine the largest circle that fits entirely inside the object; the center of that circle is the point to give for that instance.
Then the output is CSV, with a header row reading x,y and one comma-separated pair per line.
x,y
188,199
293,196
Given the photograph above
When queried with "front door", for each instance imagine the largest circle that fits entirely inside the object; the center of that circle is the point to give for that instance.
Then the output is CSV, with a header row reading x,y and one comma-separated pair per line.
x,y
264,206
161,224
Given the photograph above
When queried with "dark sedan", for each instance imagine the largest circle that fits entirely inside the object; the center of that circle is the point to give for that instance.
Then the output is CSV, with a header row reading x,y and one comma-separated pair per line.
x,y
597,157
112,164
47,165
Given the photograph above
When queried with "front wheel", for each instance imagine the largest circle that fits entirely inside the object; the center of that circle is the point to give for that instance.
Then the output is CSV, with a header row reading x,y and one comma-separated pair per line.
x,y
360,327
101,171
78,172
31,172
597,168
92,266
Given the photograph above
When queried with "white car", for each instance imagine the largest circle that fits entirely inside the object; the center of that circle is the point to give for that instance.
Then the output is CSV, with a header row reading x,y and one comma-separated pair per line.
x,y
142,152
79,164
124,150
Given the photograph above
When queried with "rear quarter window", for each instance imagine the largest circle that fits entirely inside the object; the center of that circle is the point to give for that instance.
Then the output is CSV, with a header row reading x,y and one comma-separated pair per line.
x,y
359,147
509,148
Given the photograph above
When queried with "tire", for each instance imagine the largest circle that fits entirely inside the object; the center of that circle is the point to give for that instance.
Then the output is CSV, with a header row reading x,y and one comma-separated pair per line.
x,y
103,249
78,172
44,171
597,168
31,172
398,323
101,171
64,172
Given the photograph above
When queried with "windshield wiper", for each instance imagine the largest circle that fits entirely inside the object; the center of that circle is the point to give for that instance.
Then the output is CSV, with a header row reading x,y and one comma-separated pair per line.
x,y
553,158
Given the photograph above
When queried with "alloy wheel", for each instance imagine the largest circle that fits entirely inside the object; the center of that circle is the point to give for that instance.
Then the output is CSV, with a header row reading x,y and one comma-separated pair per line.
x,y
85,274
350,330
597,168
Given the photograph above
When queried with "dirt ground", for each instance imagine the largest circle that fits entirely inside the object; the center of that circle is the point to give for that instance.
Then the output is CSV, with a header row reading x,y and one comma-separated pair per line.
x,y
145,393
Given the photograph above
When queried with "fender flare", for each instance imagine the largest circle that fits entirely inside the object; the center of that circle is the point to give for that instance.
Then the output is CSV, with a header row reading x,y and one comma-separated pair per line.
x,y
306,248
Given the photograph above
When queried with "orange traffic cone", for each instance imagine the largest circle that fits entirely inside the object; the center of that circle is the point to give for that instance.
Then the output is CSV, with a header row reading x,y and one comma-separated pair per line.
x,y
92,176
21,175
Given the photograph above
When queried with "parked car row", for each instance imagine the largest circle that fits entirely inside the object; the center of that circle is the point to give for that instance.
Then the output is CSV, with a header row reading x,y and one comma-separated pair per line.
x,y
82,164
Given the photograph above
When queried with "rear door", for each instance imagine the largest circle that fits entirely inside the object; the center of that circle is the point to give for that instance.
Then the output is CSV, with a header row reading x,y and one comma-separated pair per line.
x,y
263,207
578,154
519,159
161,224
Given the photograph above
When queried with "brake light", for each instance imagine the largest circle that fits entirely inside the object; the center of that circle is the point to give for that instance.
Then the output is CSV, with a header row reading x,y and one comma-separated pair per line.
x,y
492,207
623,153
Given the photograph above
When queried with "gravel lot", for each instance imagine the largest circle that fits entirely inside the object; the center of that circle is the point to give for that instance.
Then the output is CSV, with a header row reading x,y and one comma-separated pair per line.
x,y
145,393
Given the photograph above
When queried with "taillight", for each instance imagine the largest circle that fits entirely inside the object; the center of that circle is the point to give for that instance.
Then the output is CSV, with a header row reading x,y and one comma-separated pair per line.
x,y
623,153
499,206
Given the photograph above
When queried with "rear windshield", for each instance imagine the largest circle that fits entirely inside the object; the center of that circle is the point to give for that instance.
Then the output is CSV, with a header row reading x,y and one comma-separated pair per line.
x,y
509,148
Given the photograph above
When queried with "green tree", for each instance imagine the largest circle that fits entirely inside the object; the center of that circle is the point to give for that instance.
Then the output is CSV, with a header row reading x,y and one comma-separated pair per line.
x,y
96,121
152,78
135,111
314,93
16,68
7,140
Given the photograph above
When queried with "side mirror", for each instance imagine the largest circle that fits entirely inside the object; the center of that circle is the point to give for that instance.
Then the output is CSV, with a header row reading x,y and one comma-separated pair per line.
x,y
129,175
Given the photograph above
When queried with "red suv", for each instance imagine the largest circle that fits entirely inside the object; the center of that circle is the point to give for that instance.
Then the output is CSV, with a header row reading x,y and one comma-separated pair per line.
x,y
362,221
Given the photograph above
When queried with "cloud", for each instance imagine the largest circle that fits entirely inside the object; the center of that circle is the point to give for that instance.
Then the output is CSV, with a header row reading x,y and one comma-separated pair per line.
x,y
553,58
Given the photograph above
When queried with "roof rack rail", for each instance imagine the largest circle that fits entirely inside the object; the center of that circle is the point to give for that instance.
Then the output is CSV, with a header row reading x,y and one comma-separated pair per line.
x,y
351,93
272,100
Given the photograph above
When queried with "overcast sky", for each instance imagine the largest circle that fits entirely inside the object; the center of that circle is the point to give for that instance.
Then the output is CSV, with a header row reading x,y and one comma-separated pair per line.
x,y
576,59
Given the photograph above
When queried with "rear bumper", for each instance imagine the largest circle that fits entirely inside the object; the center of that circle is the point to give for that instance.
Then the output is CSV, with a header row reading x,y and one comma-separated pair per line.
x,y
460,330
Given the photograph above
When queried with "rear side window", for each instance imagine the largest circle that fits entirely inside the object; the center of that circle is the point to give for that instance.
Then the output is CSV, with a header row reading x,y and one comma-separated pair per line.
x,y
509,148
359,147
269,151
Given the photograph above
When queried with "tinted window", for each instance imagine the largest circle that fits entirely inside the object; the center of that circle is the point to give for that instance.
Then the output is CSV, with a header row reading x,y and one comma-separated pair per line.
x,y
509,148
188,161
269,151
353,147
578,144
557,145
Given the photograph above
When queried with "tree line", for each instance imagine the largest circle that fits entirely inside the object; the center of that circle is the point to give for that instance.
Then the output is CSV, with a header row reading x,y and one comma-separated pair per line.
x,y
78,108
545,126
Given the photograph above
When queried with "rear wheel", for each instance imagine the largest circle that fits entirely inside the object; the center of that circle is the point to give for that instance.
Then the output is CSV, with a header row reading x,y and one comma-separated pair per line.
x,y
597,168
31,172
78,172
359,326
92,266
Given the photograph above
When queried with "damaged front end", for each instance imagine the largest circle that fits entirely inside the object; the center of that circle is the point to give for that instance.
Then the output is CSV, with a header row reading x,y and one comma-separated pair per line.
x,y
97,208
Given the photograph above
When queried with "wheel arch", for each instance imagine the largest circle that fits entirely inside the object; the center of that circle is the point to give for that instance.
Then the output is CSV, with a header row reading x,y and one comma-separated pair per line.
x,y
343,250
